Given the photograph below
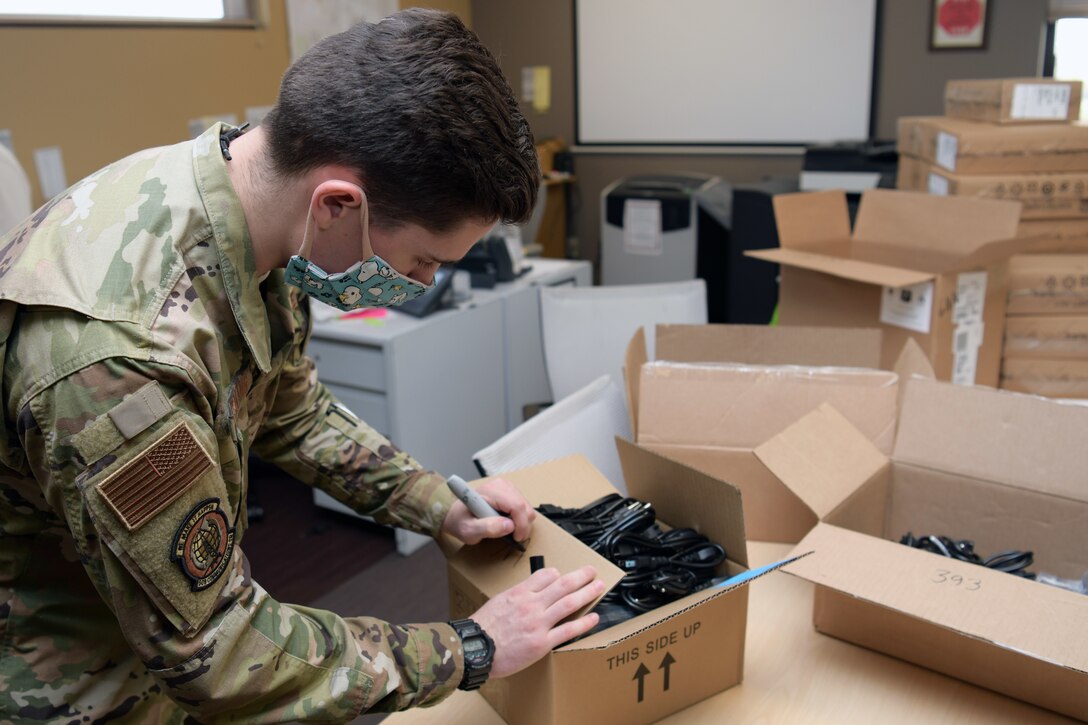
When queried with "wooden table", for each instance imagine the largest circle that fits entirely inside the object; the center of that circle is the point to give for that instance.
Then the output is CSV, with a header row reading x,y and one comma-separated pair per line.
x,y
795,675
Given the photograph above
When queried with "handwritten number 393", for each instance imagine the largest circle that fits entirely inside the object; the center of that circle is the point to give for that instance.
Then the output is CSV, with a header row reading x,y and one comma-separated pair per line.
x,y
946,577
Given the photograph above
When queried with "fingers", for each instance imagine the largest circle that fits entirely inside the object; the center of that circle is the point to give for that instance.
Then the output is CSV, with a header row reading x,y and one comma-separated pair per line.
x,y
570,630
502,495
577,598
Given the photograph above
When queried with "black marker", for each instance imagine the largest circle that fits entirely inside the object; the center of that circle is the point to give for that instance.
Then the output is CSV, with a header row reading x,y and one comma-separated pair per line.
x,y
475,503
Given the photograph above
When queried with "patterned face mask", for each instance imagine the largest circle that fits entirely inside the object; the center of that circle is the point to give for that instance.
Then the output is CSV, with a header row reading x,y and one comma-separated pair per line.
x,y
370,283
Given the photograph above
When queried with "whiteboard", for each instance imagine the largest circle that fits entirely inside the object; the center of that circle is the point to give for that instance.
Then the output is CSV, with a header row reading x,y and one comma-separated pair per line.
x,y
750,72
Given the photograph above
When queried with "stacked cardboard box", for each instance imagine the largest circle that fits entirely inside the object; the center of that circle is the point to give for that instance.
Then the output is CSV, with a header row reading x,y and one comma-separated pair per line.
x,y
1046,332
1018,139
1015,139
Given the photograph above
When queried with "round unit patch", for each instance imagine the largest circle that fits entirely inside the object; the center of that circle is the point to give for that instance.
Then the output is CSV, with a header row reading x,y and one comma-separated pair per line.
x,y
203,544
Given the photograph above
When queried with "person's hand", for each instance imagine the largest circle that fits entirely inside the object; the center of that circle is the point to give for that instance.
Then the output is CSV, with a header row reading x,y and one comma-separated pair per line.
x,y
504,498
524,620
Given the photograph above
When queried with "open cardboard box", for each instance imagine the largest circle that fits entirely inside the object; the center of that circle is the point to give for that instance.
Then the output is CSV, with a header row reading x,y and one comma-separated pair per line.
x,y
1005,471
929,268
645,668
711,417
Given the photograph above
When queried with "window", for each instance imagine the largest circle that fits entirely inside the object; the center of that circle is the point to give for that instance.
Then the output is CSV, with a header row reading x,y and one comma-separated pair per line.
x,y
1071,54
113,12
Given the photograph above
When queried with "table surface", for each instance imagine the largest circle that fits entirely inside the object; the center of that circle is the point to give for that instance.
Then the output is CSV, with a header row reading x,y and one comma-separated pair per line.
x,y
792,674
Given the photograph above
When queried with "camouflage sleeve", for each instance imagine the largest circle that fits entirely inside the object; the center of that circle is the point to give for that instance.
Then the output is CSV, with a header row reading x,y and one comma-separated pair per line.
x,y
318,440
138,463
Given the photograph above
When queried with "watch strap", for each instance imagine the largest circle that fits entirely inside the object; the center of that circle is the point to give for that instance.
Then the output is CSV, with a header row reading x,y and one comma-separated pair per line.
x,y
476,673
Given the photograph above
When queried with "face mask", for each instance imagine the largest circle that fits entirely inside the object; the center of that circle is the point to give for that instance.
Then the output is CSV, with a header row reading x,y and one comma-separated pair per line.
x,y
370,283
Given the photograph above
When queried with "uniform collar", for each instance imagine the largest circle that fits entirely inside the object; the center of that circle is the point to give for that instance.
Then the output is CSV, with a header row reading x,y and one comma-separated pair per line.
x,y
238,267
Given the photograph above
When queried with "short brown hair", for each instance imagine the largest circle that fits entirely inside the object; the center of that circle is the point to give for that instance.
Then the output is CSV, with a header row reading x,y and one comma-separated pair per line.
x,y
419,108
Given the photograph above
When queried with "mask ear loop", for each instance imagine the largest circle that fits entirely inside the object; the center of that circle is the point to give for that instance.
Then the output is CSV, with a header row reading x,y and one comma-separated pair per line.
x,y
364,222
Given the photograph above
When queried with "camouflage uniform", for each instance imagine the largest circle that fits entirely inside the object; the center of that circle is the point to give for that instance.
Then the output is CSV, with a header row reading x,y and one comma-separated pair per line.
x,y
142,362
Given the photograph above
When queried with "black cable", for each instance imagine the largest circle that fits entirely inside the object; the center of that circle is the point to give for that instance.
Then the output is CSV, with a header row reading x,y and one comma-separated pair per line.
x,y
661,566
1012,561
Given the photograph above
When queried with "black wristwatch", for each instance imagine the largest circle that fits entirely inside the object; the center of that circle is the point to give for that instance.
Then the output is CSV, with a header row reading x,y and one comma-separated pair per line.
x,y
479,650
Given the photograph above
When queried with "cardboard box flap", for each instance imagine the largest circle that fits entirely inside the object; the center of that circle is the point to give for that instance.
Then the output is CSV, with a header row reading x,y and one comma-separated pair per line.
x,y
765,345
822,458
632,375
844,267
994,252
913,361
807,218
681,493
1019,440
642,622
949,224
742,406
950,593
494,566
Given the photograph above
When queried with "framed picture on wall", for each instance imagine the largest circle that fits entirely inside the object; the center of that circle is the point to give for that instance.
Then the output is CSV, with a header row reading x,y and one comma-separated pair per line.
x,y
958,24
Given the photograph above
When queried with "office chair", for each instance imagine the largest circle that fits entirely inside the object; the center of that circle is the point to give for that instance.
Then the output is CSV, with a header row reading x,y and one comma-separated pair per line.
x,y
586,422
586,329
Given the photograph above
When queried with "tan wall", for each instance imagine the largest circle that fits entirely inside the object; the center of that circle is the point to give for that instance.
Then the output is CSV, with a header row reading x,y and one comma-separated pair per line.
x,y
101,93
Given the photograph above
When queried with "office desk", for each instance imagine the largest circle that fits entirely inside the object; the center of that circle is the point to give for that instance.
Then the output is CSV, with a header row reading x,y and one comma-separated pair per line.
x,y
794,675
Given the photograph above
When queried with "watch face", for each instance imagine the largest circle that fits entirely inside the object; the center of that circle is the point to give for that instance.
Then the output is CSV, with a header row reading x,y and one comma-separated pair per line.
x,y
476,649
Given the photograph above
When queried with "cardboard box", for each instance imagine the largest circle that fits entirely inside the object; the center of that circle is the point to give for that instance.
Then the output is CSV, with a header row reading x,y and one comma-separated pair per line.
x,y
1003,470
1056,338
922,267
1013,100
1054,378
640,670
712,417
1043,196
1056,235
971,147
1048,284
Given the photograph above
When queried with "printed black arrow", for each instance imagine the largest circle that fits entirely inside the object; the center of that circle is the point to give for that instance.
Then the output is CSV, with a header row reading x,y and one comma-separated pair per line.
x,y
665,665
640,675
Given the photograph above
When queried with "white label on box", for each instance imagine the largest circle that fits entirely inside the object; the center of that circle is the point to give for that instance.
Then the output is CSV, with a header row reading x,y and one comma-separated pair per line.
x,y
966,341
970,298
1040,101
642,226
967,318
937,184
948,147
910,307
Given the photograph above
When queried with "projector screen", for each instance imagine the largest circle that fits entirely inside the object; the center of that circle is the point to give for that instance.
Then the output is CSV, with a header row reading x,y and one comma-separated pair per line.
x,y
748,72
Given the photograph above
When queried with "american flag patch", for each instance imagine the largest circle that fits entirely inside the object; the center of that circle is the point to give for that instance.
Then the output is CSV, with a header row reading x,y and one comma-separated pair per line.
x,y
149,483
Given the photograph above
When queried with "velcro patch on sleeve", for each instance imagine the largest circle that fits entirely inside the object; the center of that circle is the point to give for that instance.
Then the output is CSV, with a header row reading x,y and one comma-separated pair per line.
x,y
154,479
138,411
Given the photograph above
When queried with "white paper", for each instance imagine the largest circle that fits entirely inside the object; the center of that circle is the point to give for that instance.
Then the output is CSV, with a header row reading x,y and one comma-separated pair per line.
x,y
938,185
51,176
909,307
947,149
1040,101
5,139
642,226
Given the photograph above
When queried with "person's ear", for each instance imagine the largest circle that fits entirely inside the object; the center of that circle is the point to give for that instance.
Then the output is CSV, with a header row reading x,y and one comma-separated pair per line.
x,y
332,200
